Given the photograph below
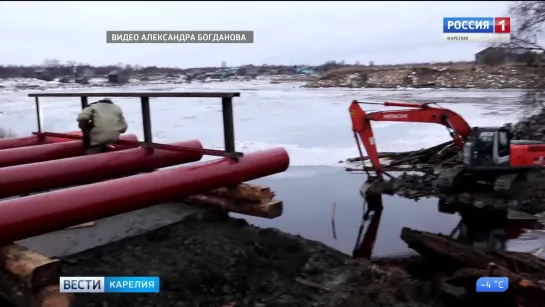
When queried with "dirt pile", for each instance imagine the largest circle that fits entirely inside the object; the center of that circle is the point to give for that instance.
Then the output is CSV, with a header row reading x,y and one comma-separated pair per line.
x,y
531,128
219,261
456,76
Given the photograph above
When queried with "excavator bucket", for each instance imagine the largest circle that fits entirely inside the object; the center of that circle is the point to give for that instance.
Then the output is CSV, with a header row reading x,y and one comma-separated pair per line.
x,y
378,186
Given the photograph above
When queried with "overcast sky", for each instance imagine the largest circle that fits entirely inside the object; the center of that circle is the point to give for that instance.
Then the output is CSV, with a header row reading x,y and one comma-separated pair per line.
x,y
285,32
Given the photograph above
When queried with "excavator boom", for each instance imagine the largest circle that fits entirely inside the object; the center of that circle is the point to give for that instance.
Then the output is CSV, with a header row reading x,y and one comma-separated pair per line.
x,y
458,128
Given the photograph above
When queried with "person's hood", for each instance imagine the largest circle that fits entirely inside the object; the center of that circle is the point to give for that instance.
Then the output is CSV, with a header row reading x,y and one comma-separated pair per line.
x,y
105,100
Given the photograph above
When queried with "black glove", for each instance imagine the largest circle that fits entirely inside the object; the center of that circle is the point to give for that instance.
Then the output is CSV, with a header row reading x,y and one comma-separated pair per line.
x,y
86,127
86,139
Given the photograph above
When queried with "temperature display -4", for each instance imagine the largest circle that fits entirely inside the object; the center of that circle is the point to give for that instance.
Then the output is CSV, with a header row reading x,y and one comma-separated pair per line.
x,y
492,284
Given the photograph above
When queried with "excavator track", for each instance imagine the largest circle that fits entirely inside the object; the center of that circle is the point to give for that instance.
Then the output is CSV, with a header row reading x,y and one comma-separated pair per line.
x,y
447,178
504,184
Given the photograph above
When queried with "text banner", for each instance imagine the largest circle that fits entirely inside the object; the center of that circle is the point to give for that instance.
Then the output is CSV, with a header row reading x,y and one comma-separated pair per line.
x,y
180,37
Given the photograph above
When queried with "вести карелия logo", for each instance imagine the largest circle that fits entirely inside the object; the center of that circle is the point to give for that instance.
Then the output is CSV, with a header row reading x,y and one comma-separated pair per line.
x,y
109,284
477,29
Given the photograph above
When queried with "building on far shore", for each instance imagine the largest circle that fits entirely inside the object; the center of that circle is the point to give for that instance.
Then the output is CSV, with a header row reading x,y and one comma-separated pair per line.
x,y
251,71
43,74
118,77
305,71
499,55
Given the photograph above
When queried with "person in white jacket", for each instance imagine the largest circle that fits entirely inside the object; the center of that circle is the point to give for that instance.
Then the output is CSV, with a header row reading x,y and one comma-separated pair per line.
x,y
102,123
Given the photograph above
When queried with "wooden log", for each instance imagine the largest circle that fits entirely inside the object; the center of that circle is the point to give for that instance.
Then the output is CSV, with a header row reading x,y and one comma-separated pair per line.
x,y
388,169
443,247
449,161
267,209
432,155
245,192
400,155
408,160
30,279
381,155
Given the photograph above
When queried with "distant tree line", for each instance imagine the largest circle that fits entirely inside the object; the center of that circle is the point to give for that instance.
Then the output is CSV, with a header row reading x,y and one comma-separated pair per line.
x,y
57,69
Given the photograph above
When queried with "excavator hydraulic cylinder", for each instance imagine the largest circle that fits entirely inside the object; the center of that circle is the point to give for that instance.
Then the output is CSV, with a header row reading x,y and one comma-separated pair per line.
x,y
43,176
33,140
55,151
30,216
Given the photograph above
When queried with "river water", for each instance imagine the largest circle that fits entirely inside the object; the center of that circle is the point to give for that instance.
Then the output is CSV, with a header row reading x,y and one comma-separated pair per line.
x,y
314,126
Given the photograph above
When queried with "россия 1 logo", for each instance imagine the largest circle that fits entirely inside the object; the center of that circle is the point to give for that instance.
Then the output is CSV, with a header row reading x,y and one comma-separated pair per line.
x,y
477,29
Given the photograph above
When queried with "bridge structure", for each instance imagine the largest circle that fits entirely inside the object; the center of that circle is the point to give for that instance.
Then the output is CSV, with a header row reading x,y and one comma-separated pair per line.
x,y
50,191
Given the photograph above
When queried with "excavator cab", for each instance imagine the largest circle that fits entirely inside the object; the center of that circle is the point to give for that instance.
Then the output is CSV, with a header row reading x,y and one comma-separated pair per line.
x,y
488,146
491,155
486,157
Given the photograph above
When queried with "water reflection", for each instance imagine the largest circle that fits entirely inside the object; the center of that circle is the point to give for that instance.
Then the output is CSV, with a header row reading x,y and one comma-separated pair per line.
x,y
483,228
486,228
364,245
365,241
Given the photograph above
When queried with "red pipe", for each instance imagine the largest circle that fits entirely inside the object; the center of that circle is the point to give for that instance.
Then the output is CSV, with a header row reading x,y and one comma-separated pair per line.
x,y
48,152
33,140
30,216
35,177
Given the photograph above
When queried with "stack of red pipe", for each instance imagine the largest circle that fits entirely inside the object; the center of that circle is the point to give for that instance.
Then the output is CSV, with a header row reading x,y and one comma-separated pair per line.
x,y
36,164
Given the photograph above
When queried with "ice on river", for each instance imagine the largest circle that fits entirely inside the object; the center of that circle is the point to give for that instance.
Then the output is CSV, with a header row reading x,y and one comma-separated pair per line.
x,y
312,124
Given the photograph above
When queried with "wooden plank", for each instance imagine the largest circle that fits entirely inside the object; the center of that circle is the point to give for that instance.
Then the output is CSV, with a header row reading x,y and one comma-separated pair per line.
x,y
268,209
245,192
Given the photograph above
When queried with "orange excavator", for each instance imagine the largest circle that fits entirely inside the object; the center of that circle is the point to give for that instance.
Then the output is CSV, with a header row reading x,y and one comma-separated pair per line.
x,y
486,153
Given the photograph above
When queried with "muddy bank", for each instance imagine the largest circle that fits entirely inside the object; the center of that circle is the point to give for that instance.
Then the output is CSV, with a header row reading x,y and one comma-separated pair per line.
x,y
455,76
213,260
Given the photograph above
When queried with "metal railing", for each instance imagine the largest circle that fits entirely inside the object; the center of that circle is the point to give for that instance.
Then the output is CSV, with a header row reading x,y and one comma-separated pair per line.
x,y
227,111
